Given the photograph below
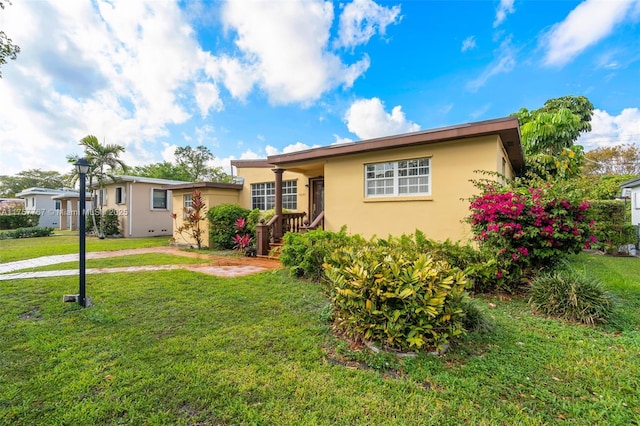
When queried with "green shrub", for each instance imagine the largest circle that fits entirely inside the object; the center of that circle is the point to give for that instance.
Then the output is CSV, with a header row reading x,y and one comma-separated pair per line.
x,y
222,219
18,220
30,232
572,295
111,223
611,226
304,254
398,297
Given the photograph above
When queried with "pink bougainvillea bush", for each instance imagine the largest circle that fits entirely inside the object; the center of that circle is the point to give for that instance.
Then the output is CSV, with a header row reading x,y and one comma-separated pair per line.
x,y
524,229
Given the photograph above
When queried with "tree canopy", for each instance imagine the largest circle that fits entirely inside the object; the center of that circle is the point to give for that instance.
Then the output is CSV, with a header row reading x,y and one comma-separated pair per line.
x,y
621,159
549,134
8,50
191,165
11,185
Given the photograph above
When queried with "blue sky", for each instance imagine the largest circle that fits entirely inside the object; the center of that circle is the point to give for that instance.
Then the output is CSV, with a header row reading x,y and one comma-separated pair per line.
x,y
250,78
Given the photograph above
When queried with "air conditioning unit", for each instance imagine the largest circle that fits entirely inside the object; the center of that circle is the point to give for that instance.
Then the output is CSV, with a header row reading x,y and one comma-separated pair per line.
x,y
626,192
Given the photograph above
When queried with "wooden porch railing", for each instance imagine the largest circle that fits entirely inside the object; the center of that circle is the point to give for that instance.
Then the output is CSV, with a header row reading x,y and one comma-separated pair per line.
x,y
272,231
318,222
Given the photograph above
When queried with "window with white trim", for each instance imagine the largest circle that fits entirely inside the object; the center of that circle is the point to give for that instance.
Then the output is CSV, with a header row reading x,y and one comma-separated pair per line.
x,y
290,194
159,199
101,197
57,205
398,178
263,195
187,200
120,195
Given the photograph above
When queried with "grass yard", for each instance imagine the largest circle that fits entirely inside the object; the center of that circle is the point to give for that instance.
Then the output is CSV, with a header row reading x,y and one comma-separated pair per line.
x,y
182,348
67,243
148,259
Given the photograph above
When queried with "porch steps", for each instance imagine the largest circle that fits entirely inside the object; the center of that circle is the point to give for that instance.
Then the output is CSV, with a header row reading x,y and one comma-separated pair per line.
x,y
274,251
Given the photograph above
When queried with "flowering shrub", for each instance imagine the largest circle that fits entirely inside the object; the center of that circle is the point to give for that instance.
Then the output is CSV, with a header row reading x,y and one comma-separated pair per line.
x,y
243,242
526,229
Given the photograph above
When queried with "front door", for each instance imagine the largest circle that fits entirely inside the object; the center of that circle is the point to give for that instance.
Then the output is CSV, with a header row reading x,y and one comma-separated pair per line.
x,y
317,197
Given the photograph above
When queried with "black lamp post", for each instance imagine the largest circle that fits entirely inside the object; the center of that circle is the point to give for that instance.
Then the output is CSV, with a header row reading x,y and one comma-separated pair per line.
x,y
82,166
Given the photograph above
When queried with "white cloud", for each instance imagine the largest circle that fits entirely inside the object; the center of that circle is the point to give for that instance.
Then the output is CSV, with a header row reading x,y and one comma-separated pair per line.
x,y
250,155
608,130
367,119
505,7
286,50
469,43
95,68
362,19
271,150
168,152
207,97
586,25
504,62
298,146
340,140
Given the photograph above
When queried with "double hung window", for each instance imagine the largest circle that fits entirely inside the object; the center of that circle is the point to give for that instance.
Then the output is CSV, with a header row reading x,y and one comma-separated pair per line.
x,y
398,178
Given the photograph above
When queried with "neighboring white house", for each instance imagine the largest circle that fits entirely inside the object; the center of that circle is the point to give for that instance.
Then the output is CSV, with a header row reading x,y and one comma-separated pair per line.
x,y
42,202
631,190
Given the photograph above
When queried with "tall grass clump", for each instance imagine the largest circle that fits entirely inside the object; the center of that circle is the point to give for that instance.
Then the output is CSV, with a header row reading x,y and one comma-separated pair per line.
x,y
572,295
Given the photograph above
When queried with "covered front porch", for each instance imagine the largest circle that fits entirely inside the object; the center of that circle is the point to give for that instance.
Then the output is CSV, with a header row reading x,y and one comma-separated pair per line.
x,y
271,232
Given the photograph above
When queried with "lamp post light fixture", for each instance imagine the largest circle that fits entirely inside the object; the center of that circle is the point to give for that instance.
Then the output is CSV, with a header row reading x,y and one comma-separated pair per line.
x,y
82,166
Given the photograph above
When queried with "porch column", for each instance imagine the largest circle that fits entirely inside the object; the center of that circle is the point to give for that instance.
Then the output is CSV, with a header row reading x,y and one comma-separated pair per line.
x,y
64,217
277,226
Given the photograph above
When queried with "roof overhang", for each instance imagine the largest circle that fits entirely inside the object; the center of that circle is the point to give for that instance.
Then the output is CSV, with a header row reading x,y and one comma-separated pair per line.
x,y
506,128
243,164
201,185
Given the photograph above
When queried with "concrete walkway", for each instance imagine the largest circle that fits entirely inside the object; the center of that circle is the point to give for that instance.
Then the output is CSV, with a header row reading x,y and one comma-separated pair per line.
x,y
221,266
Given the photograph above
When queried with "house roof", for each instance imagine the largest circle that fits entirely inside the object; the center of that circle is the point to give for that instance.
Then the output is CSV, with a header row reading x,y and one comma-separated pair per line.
x,y
261,163
630,183
507,128
196,185
71,196
44,191
140,179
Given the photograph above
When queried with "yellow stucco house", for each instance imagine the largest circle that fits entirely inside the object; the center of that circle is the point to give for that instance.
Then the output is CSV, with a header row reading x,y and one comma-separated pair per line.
x,y
383,186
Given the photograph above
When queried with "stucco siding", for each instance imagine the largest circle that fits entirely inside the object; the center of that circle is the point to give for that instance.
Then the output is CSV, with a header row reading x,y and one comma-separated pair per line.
x,y
136,216
440,215
266,175
212,197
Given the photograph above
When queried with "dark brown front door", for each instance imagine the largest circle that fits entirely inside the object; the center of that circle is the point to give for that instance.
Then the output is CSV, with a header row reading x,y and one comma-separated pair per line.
x,y
317,197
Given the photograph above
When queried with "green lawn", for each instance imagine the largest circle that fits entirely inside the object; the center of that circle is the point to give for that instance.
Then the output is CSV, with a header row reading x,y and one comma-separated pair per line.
x,y
122,261
67,243
182,348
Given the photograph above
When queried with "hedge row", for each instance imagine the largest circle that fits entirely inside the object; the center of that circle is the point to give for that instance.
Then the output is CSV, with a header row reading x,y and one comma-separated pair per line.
x,y
31,232
18,220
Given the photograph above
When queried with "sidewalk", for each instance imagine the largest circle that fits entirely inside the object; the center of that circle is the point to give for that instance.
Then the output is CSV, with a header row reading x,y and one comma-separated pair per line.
x,y
220,266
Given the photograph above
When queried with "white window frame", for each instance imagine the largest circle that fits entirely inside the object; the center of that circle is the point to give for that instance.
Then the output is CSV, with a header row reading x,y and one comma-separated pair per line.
x,y
57,204
152,199
187,200
123,195
101,197
397,178
290,194
263,194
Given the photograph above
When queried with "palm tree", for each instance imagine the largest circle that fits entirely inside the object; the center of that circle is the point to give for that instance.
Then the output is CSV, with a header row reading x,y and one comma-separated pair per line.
x,y
104,161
